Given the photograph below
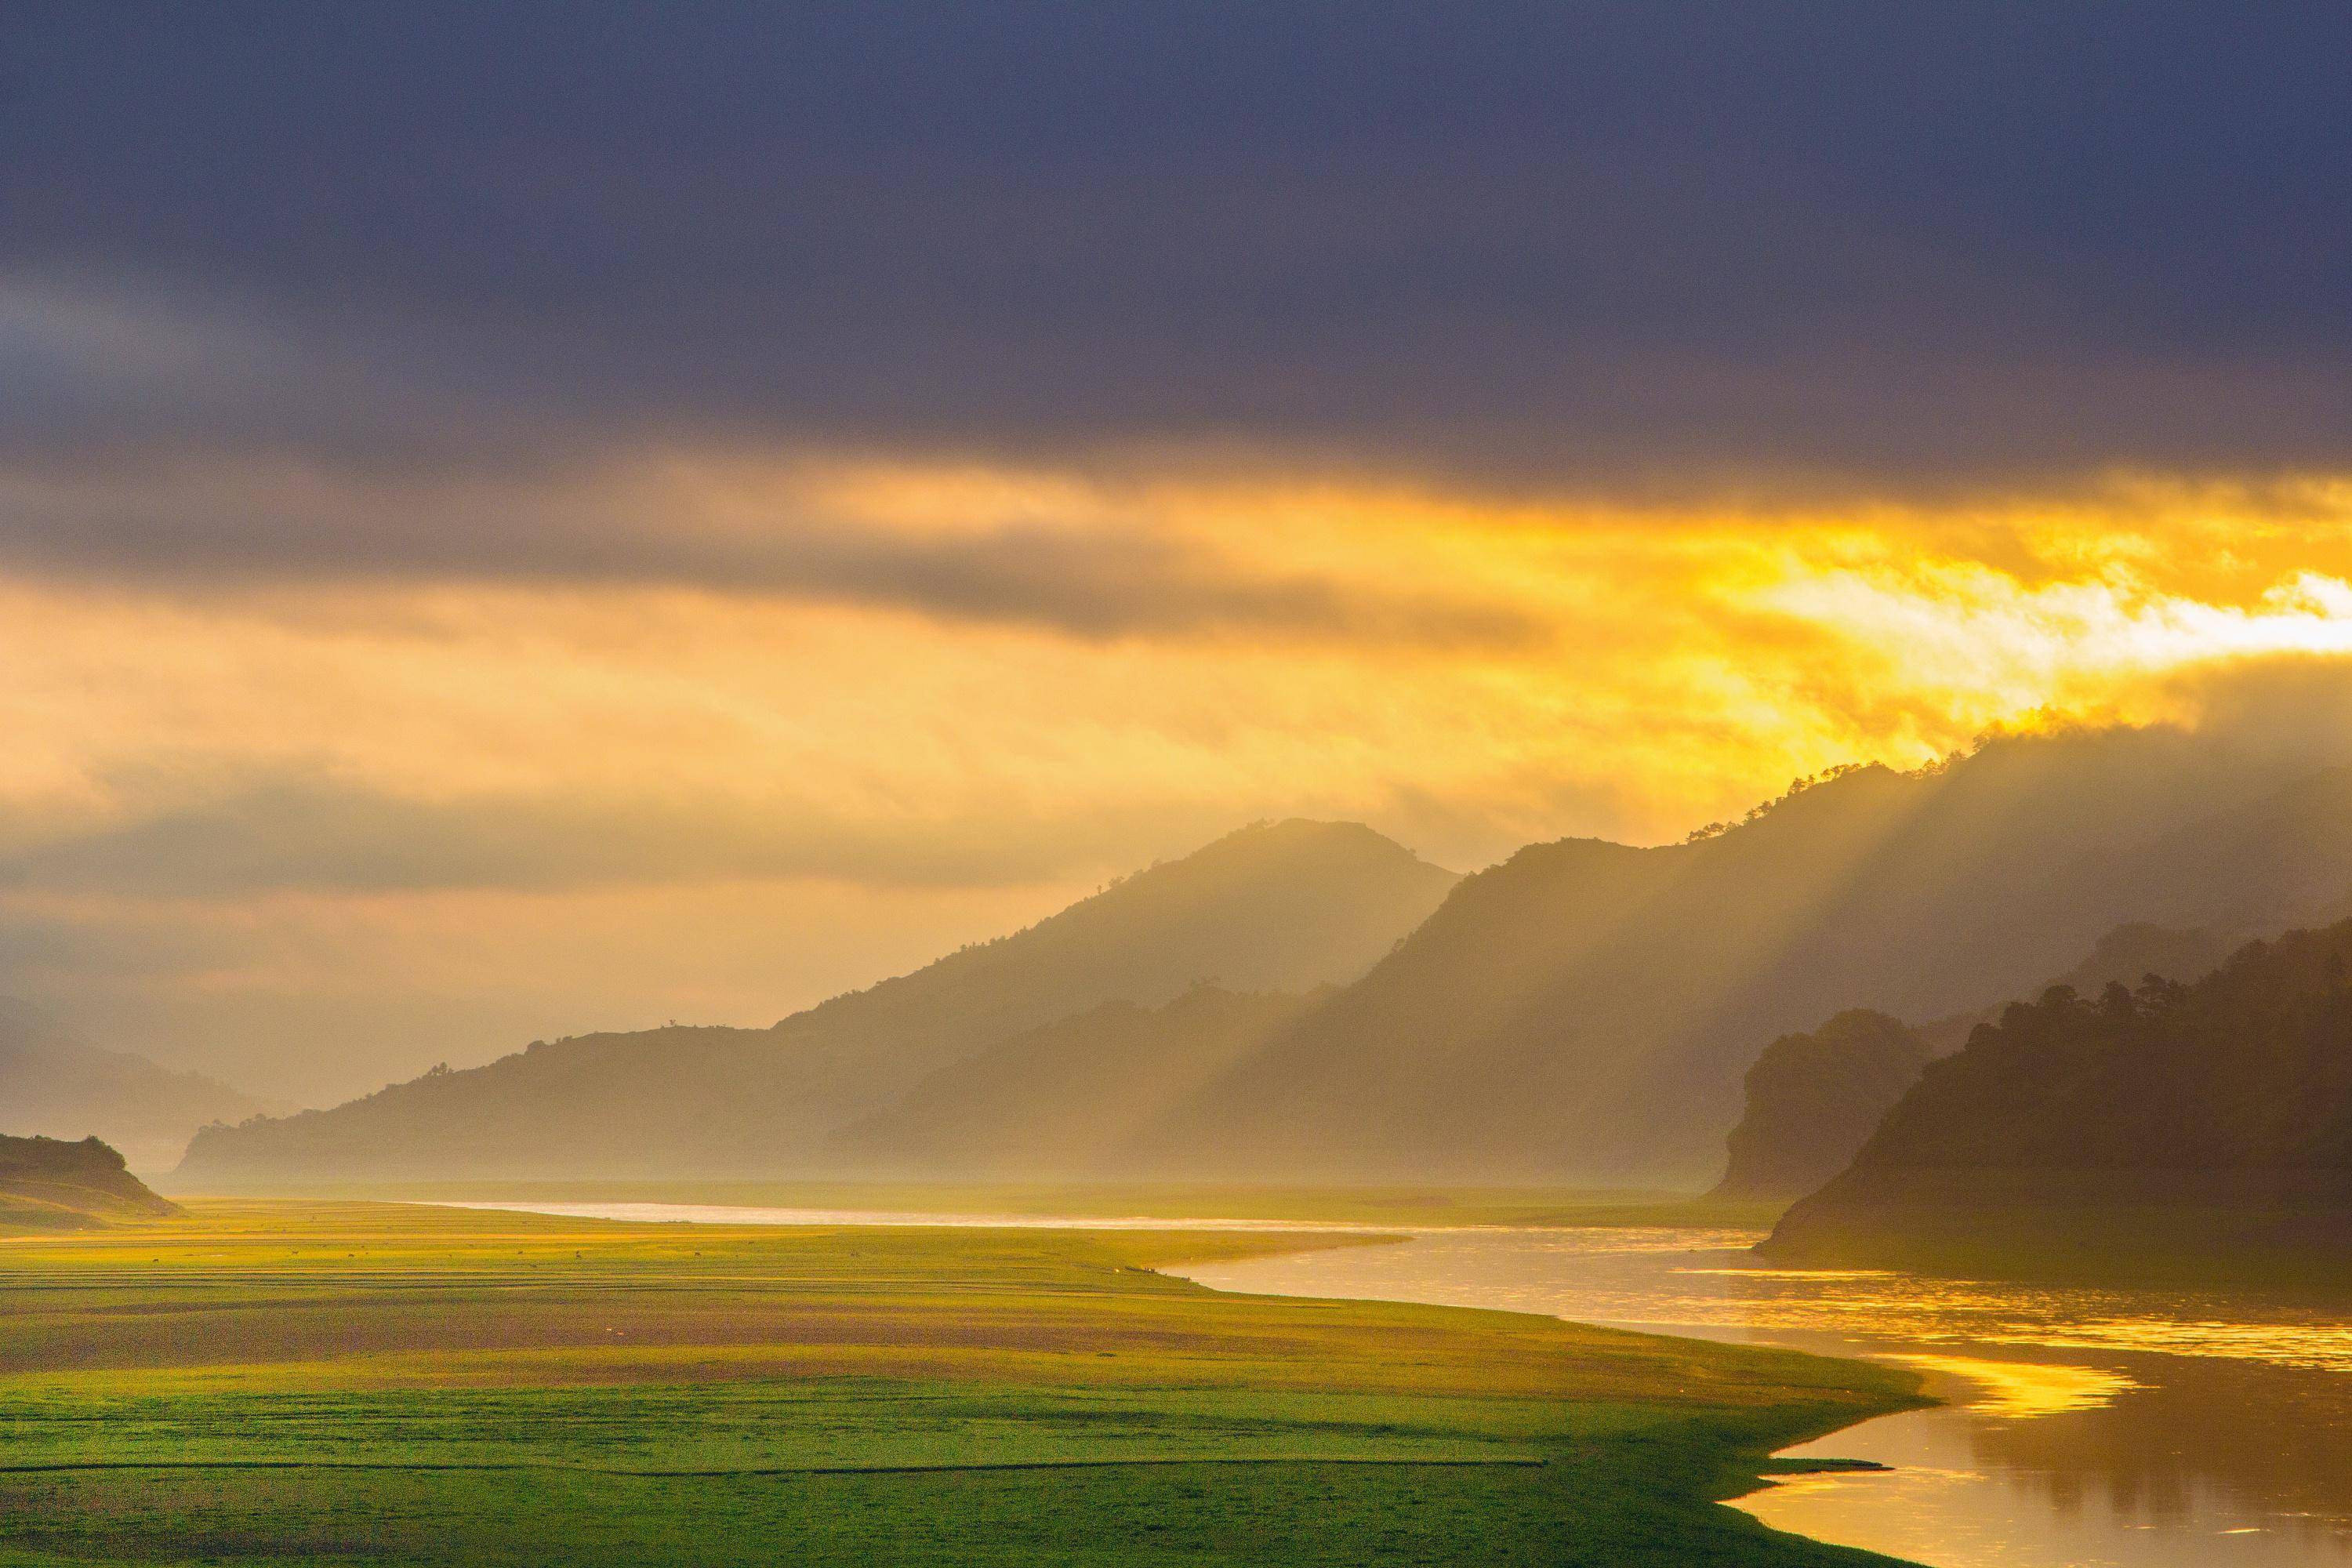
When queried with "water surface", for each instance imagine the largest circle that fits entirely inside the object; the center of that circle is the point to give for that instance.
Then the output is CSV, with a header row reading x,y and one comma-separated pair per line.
x,y
2087,1428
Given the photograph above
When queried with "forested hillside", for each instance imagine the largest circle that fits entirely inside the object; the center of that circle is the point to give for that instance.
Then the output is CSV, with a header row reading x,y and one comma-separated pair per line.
x,y
1814,1099
2231,1093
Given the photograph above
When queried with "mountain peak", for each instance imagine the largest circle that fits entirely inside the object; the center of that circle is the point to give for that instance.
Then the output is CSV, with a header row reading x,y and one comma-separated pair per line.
x,y
1298,837
1278,907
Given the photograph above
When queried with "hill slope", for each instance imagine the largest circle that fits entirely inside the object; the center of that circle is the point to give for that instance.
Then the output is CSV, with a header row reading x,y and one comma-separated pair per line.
x,y
53,1082
2232,1096
1278,907
1067,1100
1814,1099
48,1185
1587,1010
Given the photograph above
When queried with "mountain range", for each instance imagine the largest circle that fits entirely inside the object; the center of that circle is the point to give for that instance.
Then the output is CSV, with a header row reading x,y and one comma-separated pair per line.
x,y
1070,1099
1588,1010
1814,1099
1584,1011
1277,907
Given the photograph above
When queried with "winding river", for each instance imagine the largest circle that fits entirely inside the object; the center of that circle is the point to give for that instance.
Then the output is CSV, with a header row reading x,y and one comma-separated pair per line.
x,y
2082,1429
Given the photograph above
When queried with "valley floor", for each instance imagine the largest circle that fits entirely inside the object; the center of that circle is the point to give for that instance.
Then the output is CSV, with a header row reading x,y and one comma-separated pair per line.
x,y
292,1383
1372,1206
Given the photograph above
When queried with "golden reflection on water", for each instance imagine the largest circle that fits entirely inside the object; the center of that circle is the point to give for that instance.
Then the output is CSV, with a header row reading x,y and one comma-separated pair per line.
x,y
1728,1292
2024,1387
2320,1347
1815,1275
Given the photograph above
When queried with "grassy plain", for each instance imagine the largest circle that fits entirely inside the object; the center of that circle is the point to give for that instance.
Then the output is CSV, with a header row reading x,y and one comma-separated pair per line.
x,y
315,1382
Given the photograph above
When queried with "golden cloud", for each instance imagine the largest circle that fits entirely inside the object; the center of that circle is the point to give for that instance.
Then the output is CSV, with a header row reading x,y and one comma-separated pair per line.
x,y
188,744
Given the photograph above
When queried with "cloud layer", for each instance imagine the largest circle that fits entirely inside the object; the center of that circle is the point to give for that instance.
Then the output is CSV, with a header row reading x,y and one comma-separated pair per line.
x,y
516,520
1650,246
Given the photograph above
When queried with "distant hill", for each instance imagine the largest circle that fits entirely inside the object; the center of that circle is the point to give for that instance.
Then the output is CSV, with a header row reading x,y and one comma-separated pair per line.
x,y
53,1082
1283,906
1584,1011
47,1183
1066,1099
2130,953
2225,1098
2125,956
1814,1099
1587,1010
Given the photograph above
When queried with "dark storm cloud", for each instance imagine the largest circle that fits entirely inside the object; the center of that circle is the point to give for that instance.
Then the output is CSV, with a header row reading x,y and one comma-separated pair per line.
x,y
264,526
1600,245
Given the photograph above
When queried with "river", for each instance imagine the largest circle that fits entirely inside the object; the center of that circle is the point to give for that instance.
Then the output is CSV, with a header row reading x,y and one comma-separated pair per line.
x,y
2085,1428
2082,1429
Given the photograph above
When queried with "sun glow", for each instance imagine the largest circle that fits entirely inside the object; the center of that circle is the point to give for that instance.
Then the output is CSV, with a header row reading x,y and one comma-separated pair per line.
x,y
966,693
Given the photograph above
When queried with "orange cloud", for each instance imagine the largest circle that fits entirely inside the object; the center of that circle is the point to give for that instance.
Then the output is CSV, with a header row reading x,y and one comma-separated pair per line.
x,y
184,748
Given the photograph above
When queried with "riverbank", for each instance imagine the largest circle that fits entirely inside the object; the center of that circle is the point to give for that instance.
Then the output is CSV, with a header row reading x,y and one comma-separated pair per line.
x,y
276,1382
1410,1207
2201,1229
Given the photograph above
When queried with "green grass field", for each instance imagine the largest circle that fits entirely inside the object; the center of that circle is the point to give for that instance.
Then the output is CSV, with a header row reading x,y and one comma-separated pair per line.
x,y
343,1383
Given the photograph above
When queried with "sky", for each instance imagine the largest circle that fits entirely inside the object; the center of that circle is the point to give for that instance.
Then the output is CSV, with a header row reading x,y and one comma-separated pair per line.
x,y
528,518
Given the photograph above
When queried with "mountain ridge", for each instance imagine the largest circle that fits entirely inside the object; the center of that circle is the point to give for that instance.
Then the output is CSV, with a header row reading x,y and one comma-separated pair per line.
x,y
1582,1011
1813,1098
1587,1011
1276,905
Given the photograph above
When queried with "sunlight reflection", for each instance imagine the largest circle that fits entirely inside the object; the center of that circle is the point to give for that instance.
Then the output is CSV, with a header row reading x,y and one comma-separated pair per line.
x,y
2026,1388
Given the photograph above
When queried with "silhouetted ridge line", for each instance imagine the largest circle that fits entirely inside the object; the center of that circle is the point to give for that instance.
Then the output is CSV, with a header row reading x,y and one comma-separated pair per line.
x,y
2229,1096
1588,1011
1812,1099
1276,907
